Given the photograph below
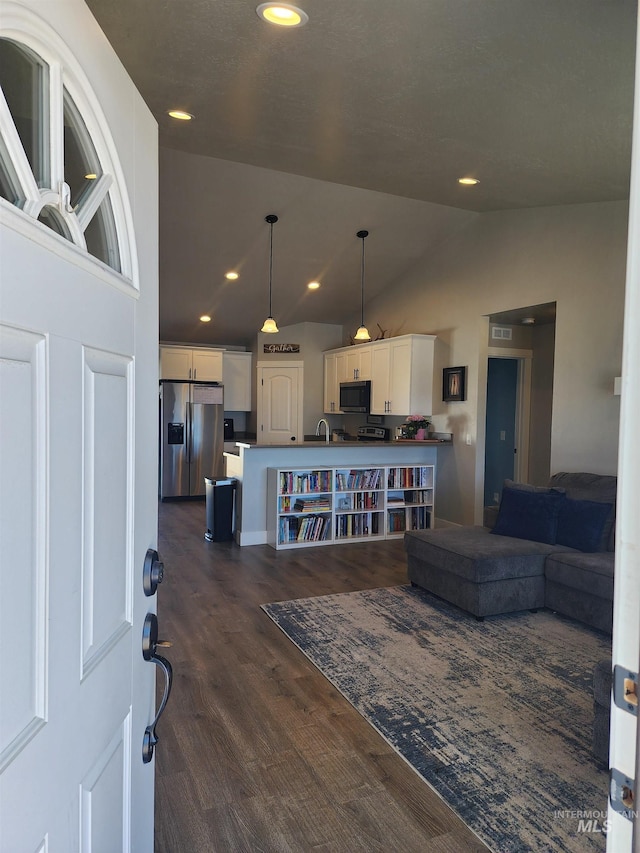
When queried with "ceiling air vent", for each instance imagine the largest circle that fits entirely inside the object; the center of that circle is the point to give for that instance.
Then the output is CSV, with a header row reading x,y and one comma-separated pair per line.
x,y
501,333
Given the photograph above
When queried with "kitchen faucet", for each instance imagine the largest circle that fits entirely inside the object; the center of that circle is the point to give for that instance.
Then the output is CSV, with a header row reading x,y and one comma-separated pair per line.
x,y
326,428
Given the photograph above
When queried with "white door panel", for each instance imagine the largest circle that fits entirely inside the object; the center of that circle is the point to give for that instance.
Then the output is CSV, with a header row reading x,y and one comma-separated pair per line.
x,y
280,404
78,510
23,484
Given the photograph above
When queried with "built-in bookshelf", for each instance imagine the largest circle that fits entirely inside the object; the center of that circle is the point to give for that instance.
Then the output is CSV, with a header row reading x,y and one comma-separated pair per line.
x,y
359,503
332,505
409,496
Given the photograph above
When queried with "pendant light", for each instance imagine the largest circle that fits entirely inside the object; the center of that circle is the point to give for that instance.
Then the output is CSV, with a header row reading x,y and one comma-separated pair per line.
x,y
270,326
363,333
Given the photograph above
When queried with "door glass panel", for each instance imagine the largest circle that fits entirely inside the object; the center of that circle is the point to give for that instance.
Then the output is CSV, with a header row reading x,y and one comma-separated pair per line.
x,y
50,217
81,165
100,235
8,180
24,79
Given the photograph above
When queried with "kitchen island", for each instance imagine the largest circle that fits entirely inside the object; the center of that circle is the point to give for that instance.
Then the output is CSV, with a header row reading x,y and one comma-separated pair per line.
x,y
259,497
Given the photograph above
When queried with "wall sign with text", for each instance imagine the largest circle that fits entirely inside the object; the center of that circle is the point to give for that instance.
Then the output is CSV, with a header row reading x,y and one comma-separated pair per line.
x,y
281,347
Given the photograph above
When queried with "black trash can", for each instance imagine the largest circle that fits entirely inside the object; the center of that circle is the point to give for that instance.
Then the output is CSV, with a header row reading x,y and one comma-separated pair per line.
x,y
220,495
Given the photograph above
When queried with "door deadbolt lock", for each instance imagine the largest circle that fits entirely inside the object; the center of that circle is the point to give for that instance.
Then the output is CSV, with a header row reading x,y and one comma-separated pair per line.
x,y
152,572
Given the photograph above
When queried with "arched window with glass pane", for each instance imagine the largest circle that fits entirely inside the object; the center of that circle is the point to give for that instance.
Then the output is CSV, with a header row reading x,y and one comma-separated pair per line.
x,y
52,166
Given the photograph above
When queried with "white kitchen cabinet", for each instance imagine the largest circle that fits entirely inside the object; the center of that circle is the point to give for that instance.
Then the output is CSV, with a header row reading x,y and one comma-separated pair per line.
x,y
191,363
331,384
402,375
236,378
400,370
354,363
344,365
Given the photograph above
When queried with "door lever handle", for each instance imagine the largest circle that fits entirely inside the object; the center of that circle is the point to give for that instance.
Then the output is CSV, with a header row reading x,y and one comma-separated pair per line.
x,y
150,643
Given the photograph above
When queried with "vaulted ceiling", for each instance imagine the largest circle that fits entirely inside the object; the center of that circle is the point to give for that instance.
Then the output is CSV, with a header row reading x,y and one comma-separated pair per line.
x,y
372,110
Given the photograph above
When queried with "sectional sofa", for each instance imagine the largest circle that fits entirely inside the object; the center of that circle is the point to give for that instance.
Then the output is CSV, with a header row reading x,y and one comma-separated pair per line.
x,y
550,546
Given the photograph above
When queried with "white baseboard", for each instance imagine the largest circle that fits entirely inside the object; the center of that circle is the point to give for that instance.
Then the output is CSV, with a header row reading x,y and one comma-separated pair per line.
x,y
442,522
252,537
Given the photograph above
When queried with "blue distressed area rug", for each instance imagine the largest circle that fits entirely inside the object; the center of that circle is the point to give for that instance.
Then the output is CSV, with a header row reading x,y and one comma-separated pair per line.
x,y
496,716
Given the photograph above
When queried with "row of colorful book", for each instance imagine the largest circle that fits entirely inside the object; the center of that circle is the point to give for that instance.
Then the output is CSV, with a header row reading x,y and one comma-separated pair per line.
x,y
295,482
419,477
368,478
309,528
358,524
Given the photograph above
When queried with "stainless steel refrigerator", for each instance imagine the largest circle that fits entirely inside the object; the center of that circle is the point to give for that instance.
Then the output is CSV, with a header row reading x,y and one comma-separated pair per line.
x,y
191,437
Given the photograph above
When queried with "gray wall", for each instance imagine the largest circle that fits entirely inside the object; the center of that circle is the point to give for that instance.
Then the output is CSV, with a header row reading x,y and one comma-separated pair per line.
x,y
314,339
573,255
543,346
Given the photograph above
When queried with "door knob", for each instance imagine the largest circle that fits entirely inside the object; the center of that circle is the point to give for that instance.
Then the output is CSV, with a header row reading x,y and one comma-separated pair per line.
x,y
152,572
150,644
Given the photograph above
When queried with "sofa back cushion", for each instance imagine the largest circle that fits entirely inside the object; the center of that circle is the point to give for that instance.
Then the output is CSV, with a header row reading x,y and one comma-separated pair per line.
x,y
601,488
526,514
581,524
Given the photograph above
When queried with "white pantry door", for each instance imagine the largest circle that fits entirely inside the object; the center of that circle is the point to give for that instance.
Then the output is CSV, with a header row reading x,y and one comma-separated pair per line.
x,y
75,692
280,401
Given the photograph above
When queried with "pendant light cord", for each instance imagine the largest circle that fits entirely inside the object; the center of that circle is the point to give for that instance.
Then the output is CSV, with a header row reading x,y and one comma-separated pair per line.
x,y
362,235
362,287
271,218
270,264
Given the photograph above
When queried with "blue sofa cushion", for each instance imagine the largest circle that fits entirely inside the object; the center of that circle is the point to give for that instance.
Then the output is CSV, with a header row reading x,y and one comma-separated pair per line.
x,y
592,487
529,515
581,524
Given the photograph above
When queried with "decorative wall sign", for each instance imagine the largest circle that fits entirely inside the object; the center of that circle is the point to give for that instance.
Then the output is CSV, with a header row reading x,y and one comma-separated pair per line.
x,y
281,348
454,384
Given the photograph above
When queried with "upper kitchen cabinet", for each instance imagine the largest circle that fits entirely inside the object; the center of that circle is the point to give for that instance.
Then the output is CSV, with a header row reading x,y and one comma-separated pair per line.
x,y
191,363
331,384
236,377
344,365
400,370
354,363
402,375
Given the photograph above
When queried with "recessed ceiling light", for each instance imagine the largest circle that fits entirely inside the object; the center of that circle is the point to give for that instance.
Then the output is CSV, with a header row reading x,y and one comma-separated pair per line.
x,y
282,14
468,182
181,115
205,318
528,321
232,276
313,285
91,176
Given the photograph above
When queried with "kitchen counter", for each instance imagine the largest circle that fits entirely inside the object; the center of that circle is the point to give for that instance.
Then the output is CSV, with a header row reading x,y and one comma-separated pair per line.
x,y
333,444
250,465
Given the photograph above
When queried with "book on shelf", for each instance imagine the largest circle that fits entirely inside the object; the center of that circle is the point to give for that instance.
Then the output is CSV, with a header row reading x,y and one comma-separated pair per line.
x,y
365,478
303,482
312,504
311,528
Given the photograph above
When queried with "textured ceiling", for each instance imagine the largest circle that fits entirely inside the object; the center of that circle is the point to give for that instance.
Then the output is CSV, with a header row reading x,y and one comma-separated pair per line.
x,y
532,97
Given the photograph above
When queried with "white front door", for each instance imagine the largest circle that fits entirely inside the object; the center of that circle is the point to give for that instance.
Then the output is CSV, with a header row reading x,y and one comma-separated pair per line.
x,y
623,820
78,510
280,403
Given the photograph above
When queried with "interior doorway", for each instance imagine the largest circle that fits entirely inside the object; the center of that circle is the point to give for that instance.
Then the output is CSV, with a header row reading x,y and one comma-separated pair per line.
x,y
520,364
507,420
500,443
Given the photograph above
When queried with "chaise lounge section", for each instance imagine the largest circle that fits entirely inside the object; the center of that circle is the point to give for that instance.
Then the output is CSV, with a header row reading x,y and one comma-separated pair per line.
x,y
566,565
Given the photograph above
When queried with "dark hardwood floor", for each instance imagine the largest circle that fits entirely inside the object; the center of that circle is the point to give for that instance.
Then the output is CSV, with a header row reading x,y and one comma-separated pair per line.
x,y
257,750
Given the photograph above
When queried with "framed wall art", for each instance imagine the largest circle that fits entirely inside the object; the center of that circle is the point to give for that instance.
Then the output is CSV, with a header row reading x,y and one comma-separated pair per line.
x,y
454,384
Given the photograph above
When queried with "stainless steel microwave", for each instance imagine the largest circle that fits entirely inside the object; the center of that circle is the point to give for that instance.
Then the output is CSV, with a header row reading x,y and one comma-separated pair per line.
x,y
355,396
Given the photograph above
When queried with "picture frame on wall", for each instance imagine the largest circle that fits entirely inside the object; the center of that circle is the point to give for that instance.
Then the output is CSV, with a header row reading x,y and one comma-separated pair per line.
x,y
454,384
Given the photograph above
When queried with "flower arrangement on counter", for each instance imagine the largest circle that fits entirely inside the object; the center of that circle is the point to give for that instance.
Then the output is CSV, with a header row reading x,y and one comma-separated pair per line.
x,y
416,424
